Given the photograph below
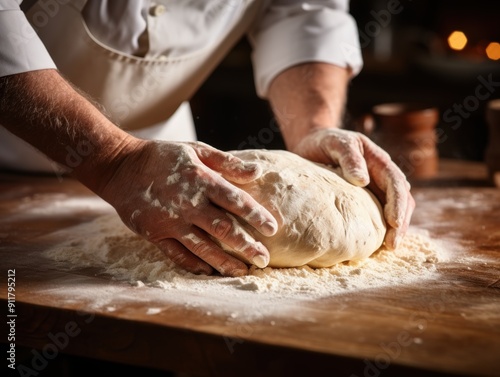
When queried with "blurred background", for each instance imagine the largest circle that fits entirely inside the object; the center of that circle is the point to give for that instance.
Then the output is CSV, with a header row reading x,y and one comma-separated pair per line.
x,y
445,53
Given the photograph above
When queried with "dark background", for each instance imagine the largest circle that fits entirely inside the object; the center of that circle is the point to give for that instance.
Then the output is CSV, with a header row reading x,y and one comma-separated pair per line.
x,y
406,58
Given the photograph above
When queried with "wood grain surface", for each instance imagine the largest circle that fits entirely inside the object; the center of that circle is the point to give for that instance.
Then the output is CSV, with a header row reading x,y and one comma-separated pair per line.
x,y
446,326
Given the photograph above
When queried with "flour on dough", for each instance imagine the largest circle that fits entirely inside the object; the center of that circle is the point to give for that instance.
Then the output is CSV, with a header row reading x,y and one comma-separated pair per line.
x,y
323,219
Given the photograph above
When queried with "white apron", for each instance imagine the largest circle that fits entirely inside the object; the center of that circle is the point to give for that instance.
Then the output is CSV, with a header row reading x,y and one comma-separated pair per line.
x,y
148,97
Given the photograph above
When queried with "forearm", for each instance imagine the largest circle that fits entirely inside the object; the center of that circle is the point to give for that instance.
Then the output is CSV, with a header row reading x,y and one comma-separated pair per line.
x,y
47,112
307,97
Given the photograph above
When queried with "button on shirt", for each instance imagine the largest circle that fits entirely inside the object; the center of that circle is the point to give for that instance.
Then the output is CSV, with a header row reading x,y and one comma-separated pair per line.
x,y
286,32
157,10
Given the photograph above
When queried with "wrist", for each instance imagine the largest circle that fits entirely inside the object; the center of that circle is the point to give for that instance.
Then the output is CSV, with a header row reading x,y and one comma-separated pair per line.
x,y
104,158
304,105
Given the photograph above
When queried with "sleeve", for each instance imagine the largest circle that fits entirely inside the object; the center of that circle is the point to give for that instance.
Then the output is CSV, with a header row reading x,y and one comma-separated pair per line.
x,y
291,32
20,48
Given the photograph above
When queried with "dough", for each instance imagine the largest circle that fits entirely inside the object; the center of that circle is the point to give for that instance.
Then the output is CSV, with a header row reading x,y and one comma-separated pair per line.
x,y
323,219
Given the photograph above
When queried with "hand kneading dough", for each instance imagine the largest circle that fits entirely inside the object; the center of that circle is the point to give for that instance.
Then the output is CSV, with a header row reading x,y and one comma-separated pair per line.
x,y
323,219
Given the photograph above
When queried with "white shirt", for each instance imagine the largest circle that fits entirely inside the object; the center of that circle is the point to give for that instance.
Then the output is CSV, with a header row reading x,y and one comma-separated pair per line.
x,y
287,32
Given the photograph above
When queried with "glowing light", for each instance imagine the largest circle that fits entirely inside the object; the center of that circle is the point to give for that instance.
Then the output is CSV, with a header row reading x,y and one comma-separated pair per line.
x,y
457,40
493,51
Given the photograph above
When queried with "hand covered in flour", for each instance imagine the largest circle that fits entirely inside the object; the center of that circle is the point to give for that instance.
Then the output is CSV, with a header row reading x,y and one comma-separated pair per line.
x,y
177,196
363,163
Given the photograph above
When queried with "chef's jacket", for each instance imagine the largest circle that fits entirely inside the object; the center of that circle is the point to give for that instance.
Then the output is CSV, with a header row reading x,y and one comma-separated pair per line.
x,y
284,32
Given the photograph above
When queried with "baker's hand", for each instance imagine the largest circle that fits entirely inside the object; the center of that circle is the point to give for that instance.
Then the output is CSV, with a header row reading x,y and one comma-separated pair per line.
x,y
363,163
177,196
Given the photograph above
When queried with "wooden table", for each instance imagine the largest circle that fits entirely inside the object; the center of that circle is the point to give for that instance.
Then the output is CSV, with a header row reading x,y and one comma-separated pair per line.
x,y
449,326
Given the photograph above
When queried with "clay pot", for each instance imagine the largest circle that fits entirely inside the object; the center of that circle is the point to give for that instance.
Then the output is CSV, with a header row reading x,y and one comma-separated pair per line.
x,y
407,131
492,153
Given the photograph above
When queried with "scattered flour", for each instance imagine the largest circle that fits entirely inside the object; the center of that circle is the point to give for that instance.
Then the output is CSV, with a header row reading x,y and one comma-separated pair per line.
x,y
109,247
56,204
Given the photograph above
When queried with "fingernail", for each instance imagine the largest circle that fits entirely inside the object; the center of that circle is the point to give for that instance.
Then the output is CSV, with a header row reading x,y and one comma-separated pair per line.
x,y
260,261
360,176
249,166
252,166
269,228
397,241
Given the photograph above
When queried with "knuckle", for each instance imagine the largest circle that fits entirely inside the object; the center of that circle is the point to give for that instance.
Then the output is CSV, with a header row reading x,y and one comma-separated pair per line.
x,y
245,246
177,258
221,228
216,190
382,155
243,241
201,249
394,172
171,251
192,171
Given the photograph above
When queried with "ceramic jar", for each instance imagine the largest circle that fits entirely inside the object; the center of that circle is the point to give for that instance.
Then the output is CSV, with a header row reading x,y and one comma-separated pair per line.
x,y
407,131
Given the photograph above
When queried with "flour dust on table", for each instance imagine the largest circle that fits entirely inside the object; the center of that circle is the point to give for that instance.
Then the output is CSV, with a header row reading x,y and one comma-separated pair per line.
x,y
116,253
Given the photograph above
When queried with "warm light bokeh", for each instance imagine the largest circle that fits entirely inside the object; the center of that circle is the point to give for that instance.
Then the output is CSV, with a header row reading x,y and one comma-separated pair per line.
x,y
493,51
457,40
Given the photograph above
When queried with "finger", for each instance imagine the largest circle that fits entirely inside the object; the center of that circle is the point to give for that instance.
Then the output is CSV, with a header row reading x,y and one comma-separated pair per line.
x,y
241,204
348,153
226,229
396,197
204,248
390,180
394,236
183,258
231,167
354,168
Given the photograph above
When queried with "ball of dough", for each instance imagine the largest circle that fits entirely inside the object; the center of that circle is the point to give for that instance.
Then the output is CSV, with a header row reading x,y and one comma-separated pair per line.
x,y
322,218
